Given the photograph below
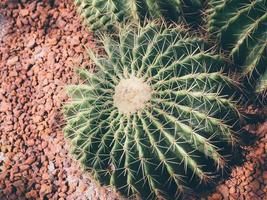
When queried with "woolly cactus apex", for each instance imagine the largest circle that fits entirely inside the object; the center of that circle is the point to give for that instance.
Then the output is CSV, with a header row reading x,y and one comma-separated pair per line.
x,y
158,118
105,13
241,28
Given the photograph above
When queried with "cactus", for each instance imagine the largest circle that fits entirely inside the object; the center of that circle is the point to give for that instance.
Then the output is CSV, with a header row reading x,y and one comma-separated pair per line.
x,y
158,117
105,13
240,26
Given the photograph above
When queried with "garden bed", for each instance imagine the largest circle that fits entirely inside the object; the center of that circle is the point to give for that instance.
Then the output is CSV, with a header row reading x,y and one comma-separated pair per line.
x,y
40,45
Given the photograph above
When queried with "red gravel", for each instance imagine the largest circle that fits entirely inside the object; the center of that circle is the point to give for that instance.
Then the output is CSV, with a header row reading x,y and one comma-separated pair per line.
x,y
249,180
39,46
37,56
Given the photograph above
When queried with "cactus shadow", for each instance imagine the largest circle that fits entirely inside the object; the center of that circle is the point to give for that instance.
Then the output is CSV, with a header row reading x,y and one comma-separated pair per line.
x,y
247,138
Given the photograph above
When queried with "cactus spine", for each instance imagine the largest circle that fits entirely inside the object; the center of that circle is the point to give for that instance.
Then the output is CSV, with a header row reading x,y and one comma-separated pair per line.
x,y
158,118
240,26
105,13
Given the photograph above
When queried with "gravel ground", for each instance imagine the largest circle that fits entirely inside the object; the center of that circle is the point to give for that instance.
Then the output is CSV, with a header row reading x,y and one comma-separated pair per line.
x,y
39,47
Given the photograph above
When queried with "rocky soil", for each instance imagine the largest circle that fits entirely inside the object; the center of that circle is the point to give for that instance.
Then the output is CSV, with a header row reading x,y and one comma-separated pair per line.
x,y
40,44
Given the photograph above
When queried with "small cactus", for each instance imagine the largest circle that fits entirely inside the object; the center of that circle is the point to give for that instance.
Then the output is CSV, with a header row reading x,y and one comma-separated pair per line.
x,y
240,26
158,118
105,13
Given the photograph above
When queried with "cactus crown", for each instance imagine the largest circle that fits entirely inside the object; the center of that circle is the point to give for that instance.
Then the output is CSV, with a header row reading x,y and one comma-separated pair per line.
x,y
105,13
158,118
131,95
240,26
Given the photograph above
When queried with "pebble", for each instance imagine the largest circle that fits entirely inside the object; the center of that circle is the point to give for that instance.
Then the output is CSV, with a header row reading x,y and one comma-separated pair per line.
x,y
24,12
31,142
36,119
232,190
61,23
216,196
255,185
31,43
13,73
29,160
53,41
46,176
223,189
24,167
4,106
45,189
12,61
75,41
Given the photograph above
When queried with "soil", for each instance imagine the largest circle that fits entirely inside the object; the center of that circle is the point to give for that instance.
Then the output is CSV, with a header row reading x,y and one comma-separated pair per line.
x,y
40,44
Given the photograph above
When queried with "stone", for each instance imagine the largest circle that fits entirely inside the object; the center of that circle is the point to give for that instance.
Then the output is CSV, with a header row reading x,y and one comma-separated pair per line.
x,y
45,189
13,73
24,167
216,196
53,41
37,118
232,190
32,194
24,12
44,144
4,106
31,43
61,23
29,160
46,176
31,142
223,189
255,185
75,41
12,61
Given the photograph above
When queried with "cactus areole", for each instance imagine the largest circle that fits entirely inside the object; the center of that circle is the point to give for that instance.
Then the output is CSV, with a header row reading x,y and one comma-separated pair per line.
x,y
158,118
131,95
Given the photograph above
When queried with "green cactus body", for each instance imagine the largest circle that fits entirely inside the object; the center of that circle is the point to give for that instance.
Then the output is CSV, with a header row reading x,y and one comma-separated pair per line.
x,y
158,118
241,28
105,13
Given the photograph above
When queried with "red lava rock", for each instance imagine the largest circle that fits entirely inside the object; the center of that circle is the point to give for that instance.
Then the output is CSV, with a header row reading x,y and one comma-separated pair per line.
x,y
255,185
75,41
29,160
61,23
46,176
32,194
45,189
232,190
18,23
12,61
215,196
44,144
31,43
24,167
53,41
5,106
13,73
37,119
24,12
224,191
31,142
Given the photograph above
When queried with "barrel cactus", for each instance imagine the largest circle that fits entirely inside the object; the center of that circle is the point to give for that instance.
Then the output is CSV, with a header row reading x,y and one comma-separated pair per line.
x,y
158,118
240,26
105,13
